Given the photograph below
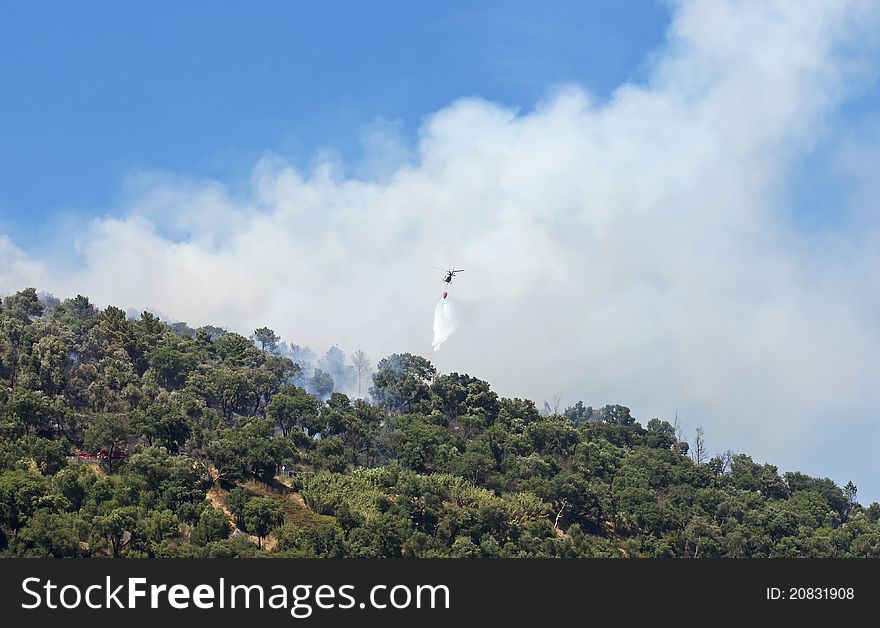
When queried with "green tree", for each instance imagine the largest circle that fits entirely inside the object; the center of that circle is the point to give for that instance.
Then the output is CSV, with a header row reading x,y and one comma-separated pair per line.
x,y
107,435
330,454
236,351
213,526
267,339
50,456
236,500
294,408
159,525
465,395
249,449
850,492
163,422
224,387
261,516
21,493
401,382
661,434
52,357
416,442
616,415
578,413
321,384
23,305
173,361
35,411
116,526
50,534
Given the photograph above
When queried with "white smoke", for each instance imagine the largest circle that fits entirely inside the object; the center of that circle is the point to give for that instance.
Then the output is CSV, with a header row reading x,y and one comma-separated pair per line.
x,y
444,322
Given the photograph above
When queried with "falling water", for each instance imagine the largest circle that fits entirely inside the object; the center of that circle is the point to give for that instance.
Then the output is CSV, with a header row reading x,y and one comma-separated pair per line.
x,y
444,322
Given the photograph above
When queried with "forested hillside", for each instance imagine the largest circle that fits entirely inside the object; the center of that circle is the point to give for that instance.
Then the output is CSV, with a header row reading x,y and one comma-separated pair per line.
x,y
133,437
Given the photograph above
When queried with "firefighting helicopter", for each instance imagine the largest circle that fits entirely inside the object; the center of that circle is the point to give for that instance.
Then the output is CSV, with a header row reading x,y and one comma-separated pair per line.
x,y
450,273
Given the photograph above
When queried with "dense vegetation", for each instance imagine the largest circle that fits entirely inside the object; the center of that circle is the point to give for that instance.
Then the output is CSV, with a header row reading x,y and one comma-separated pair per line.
x,y
205,445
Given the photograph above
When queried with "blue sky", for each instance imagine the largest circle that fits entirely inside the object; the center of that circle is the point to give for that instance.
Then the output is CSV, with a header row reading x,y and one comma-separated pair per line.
x,y
669,205
96,90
